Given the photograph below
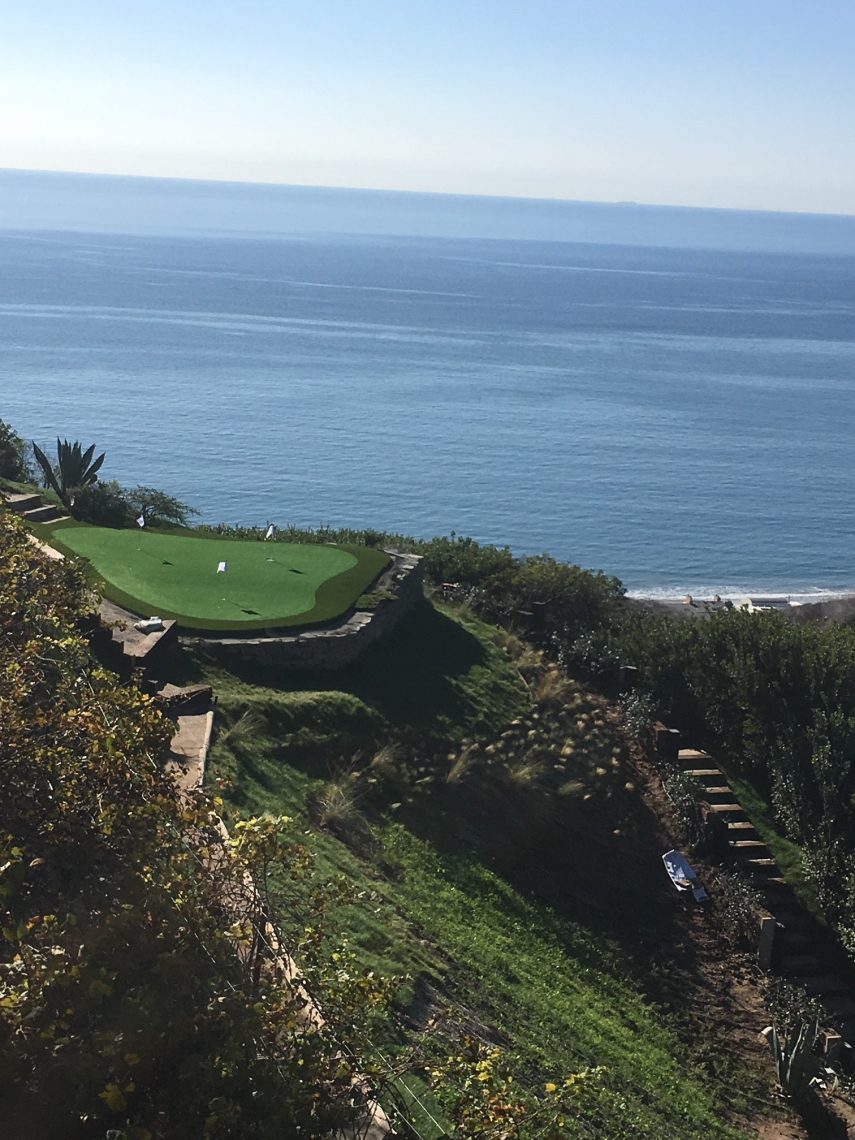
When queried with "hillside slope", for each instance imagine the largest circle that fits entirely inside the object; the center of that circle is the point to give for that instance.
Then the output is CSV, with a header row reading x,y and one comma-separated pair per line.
x,y
484,816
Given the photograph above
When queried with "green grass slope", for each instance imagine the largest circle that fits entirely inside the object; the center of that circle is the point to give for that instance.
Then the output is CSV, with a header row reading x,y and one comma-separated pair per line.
x,y
561,995
266,585
428,897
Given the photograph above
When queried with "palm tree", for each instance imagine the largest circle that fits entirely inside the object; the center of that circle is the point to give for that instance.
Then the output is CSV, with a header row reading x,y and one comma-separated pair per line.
x,y
74,468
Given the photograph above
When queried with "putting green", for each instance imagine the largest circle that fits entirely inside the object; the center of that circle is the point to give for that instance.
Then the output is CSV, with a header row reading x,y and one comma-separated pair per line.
x,y
266,584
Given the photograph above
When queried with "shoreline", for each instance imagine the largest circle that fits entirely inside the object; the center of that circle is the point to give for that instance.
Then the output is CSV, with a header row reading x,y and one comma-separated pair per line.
x,y
797,595
795,607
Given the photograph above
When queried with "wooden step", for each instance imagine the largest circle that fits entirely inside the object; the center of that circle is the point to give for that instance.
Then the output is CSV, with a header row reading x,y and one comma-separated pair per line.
x,y
774,883
748,847
761,865
722,791
796,941
792,919
692,756
741,829
731,808
825,984
704,773
806,964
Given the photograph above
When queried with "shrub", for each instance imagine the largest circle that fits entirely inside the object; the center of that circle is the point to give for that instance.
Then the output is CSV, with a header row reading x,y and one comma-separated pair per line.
x,y
638,713
103,504
789,1004
110,504
683,793
124,1006
737,906
14,460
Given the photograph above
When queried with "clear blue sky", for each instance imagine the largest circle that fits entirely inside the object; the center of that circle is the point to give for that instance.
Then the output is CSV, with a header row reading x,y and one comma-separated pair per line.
x,y
740,103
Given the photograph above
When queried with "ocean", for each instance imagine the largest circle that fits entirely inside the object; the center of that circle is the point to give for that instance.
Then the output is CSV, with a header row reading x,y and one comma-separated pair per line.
x,y
664,394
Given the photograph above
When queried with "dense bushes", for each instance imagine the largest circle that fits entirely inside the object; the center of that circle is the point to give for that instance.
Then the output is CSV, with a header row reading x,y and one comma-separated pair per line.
x,y
132,1002
14,459
550,595
778,701
110,504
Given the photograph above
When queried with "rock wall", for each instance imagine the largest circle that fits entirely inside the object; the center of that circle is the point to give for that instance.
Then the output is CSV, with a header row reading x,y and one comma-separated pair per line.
x,y
338,644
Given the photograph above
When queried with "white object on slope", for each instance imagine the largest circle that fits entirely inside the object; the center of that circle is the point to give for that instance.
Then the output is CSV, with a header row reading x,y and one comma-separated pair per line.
x,y
149,625
682,874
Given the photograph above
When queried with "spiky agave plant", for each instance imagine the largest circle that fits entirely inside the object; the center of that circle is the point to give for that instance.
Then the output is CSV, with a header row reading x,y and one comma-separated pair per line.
x,y
74,468
795,1063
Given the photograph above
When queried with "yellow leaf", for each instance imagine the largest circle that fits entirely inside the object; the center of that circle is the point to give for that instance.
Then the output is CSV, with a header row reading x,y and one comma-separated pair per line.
x,y
113,1097
551,1087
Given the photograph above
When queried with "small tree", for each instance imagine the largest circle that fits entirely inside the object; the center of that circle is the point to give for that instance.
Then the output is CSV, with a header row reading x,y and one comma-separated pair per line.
x,y
74,468
158,508
14,463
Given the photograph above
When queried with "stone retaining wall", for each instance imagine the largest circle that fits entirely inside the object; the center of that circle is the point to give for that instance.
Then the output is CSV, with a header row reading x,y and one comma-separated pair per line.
x,y
337,644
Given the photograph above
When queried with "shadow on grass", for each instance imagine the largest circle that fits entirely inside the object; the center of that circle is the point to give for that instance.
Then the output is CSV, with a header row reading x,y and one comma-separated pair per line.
x,y
432,679
423,676
563,852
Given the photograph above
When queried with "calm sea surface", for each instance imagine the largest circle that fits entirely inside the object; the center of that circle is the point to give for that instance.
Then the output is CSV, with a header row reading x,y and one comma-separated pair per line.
x,y
681,417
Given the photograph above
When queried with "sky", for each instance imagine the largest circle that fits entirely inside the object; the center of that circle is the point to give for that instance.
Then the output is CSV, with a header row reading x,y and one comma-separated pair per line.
x,y
734,103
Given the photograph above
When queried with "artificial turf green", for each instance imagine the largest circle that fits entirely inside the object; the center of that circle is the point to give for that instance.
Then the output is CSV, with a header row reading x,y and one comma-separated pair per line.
x,y
266,585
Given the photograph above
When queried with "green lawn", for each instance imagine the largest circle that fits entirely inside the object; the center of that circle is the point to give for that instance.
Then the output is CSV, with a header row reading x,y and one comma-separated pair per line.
x,y
175,575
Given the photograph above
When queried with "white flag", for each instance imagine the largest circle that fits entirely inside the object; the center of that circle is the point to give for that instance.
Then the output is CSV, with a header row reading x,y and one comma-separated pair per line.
x,y
141,520
222,568
269,532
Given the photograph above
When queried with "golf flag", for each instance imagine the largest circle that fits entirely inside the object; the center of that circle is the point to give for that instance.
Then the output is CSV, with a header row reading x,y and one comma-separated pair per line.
x,y
141,520
222,568
269,532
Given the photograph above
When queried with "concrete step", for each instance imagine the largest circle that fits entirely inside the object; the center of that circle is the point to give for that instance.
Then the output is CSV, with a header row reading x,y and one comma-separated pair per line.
x,y
21,502
41,514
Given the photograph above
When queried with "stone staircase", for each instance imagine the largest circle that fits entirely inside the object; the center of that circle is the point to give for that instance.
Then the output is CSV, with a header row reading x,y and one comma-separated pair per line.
x,y
32,507
796,947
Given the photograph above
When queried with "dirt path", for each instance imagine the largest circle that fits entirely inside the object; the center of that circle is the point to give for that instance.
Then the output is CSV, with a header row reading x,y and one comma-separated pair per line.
x,y
720,997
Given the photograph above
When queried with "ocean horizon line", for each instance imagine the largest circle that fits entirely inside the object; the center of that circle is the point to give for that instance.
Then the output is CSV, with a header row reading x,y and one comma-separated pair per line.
x,y
618,203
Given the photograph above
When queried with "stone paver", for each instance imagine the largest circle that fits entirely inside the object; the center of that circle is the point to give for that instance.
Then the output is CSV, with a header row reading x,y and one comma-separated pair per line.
x,y
188,752
134,645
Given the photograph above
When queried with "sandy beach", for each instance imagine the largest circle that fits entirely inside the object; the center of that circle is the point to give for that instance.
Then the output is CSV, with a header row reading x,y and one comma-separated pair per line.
x,y
840,608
